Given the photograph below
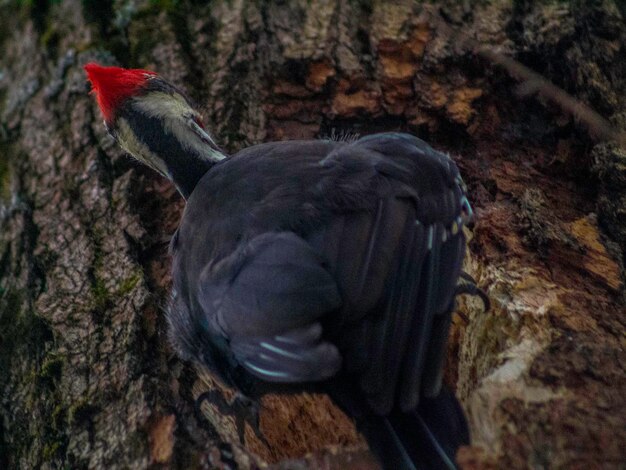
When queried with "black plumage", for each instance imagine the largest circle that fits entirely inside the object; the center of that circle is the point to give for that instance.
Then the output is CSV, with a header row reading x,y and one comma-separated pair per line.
x,y
295,261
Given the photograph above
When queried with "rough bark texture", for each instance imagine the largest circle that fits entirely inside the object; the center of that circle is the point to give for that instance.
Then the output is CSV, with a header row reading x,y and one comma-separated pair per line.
x,y
87,378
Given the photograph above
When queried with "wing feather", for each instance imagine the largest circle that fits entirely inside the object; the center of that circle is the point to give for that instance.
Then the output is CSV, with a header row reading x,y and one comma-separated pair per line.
x,y
393,340
398,281
421,324
267,299
451,259
295,356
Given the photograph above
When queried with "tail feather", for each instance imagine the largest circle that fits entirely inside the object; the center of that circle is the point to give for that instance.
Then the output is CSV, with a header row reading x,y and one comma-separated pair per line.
x,y
425,439
433,433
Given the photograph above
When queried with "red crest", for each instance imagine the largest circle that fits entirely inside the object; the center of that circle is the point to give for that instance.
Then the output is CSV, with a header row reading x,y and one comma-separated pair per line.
x,y
112,85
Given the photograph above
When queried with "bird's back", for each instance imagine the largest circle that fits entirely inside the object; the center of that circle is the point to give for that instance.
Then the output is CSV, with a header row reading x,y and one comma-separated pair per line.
x,y
383,214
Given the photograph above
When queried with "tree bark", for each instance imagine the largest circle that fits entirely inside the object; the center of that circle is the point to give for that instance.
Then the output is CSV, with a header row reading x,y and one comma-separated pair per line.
x,y
87,378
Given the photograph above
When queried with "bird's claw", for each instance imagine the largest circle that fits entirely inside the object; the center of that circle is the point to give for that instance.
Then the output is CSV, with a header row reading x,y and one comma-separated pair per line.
x,y
247,410
242,408
468,286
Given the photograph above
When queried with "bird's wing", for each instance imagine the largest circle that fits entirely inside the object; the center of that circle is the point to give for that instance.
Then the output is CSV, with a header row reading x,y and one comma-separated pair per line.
x,y
267,299
397,268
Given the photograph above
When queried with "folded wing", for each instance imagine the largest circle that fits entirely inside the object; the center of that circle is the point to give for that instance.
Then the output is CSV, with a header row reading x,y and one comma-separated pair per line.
x,y
268,298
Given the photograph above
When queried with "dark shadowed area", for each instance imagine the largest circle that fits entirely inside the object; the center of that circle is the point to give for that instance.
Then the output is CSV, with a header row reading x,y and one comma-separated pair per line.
x,y
87,378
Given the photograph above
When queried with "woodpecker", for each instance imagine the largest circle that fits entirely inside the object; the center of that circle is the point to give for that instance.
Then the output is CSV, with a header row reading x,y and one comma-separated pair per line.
x,y
310,264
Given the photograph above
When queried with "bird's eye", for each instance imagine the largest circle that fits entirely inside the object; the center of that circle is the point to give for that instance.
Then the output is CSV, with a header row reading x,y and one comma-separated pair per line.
x,y
198,127
197,120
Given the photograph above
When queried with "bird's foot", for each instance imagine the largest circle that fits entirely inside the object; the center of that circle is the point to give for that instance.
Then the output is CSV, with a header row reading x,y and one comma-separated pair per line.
x,y
242,408
248,411
468,286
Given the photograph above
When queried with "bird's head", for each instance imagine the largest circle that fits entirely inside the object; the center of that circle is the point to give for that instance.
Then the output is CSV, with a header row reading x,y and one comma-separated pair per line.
x,y
154,122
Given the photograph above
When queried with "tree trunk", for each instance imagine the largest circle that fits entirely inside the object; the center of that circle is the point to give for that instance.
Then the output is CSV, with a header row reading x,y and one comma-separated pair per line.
x,y
87,378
